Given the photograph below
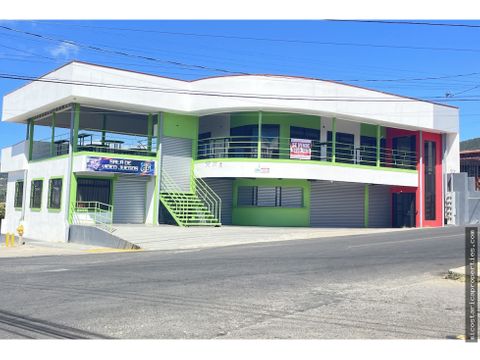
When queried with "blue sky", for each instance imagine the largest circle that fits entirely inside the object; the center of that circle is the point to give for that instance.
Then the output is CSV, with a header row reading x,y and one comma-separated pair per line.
x,y
328,50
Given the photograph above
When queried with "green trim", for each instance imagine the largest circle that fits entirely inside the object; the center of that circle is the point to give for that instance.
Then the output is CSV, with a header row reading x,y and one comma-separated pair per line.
x,y
104,127
41,194
271,216
156,190
150,132
334,139
52,143
259,139
49,158
17,208
76,125
15,194
113,186
31,130
365,205
73,196
114,156
48,194
307,162
378,135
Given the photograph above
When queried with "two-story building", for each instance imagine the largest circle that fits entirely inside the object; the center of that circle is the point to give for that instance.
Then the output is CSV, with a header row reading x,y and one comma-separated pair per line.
x,y
111,146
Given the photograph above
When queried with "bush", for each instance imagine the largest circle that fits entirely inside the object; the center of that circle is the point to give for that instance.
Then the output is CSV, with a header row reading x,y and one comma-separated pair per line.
x,y
2,210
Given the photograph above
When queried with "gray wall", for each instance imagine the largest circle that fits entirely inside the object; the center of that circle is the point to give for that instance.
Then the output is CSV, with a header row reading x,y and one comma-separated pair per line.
x,y
224,189
336,204
177,161
467,200
379,206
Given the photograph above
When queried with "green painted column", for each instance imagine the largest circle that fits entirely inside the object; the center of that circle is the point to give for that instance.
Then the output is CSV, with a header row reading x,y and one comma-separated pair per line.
x,y
52,142
150,132
158,164
76,124
365,205
334,138
31,127
104,127
259,143
378,144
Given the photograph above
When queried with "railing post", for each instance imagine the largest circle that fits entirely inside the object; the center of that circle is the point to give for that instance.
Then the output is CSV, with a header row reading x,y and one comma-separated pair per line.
x,y
31,127
150,132
378,145
104,127
52,143
76,123
334,138
259,144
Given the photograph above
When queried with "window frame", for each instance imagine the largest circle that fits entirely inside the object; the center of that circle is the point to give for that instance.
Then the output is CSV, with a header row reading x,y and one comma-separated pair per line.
x,y
49,199
15,205
32,194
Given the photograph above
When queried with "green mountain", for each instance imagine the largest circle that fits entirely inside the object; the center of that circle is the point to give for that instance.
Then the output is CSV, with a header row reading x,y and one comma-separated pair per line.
x,y
472,144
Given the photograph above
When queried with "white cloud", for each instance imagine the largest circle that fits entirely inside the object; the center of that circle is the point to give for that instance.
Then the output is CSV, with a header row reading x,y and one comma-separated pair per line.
x,y
64,50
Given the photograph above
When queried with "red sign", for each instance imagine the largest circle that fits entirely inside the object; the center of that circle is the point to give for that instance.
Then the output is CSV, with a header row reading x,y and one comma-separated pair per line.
x,y
301,149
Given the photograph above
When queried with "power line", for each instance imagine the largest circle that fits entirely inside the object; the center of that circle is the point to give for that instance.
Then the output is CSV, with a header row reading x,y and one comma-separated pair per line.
x,y
116,52
224,94
175,63
294,41
394,22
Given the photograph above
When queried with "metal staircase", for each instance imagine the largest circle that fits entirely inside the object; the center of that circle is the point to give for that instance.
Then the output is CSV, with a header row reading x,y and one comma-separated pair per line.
x,y
199,207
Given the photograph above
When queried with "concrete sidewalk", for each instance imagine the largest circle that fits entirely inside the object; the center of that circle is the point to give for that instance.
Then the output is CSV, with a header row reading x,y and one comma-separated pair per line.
x,y
174,238
46,248
170,237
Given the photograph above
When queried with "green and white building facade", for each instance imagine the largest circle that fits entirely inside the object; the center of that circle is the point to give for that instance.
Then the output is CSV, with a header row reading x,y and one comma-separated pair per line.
x,y
106,146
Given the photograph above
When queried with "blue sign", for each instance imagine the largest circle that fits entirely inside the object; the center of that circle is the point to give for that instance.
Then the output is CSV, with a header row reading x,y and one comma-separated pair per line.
x,y
123,166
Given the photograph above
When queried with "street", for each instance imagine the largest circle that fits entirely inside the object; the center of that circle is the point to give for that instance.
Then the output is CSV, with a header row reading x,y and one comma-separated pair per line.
x,y
375,286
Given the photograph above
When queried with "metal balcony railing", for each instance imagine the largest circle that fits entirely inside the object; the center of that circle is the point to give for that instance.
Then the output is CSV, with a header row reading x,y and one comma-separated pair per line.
x,y
93,213
279,148
96,141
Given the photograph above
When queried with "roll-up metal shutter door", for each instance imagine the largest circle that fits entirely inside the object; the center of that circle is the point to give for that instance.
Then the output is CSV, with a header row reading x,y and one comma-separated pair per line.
x,y
266,196
177,160
292,197
379,206
224,189
129,200
337,204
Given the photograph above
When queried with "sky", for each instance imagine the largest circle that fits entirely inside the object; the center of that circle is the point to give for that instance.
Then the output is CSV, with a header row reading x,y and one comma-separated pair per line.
x,y
428,62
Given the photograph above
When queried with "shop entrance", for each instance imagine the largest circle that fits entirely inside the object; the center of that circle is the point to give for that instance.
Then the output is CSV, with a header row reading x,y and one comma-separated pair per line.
x,y
404,210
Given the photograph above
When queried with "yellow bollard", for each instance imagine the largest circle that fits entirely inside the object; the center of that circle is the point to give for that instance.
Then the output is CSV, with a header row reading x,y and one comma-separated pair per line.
x,y
7,239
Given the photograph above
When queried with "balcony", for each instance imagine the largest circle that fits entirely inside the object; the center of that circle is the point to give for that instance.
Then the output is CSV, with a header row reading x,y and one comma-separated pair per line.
x,y
301,150
92,140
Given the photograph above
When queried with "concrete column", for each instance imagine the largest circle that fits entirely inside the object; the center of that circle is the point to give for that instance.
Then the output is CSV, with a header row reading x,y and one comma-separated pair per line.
x,y
259,144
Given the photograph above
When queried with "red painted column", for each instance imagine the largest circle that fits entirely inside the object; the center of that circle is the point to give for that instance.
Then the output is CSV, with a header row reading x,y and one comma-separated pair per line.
x,y
420,198
437,138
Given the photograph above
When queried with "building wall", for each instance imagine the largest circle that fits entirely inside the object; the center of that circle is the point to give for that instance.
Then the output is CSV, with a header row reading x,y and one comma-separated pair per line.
x,y
12,215
46,224
271,216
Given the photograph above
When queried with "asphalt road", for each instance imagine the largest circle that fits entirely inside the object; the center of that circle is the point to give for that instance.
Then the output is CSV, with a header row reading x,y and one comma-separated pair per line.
x,y
367,286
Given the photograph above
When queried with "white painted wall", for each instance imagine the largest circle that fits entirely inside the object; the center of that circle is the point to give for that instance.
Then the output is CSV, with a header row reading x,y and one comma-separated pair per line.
x,y
14,157
149,214
43,224
12,216
379,108
312,171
